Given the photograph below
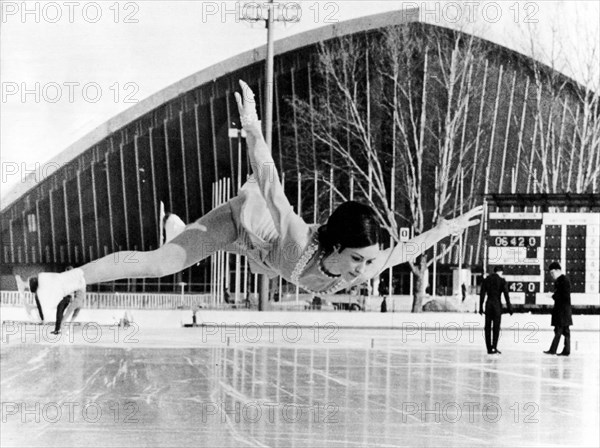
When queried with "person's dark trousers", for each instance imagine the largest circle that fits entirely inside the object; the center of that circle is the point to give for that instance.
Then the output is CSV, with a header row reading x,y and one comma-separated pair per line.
x,y
60,311
558,332
493,317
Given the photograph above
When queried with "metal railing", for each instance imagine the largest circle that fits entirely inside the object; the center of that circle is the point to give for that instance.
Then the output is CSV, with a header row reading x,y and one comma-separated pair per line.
x,y
160,301
123,300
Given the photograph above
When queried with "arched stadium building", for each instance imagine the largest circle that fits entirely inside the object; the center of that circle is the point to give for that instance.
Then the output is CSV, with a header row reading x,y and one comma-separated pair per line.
x,y
174,147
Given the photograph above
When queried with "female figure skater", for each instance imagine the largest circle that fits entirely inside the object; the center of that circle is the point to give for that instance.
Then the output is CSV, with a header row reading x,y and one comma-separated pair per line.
x,y
261,224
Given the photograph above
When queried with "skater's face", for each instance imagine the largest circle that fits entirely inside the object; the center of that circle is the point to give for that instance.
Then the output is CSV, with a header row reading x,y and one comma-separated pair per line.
x,y
555,273
350,263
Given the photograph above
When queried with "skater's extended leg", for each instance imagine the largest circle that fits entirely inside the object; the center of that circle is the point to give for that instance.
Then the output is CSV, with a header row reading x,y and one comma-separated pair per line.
x,y
214,231
75,305
189,247
61,314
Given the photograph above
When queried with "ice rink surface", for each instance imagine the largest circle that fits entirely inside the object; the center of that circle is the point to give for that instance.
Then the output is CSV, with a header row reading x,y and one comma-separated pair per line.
x,y
295,387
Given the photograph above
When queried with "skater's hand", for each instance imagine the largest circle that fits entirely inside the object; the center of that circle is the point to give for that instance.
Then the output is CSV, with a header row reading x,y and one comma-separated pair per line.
x,y
457,225
247,107
481,312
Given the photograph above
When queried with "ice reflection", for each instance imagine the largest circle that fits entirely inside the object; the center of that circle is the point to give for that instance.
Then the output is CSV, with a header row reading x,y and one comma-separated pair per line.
x,y
282,395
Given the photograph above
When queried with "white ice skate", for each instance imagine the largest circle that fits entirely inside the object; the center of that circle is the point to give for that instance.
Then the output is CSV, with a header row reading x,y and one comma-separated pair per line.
x,y
171,225
30,308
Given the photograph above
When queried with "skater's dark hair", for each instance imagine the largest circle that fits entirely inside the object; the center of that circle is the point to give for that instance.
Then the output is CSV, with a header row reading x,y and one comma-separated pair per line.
x,y
353,225
499,268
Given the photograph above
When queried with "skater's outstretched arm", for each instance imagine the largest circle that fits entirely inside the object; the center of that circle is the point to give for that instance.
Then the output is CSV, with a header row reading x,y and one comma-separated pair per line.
x,y
263,165
403,252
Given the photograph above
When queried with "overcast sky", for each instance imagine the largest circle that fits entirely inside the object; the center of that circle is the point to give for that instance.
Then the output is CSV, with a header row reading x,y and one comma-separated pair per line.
x,y
67,67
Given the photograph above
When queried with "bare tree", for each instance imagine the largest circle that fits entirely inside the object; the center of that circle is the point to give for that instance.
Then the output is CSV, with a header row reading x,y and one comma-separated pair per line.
x,y
392,121
565,153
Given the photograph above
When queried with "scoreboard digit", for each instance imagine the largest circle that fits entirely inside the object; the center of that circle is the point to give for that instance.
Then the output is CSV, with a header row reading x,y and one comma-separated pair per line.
x,y
515,241
524,287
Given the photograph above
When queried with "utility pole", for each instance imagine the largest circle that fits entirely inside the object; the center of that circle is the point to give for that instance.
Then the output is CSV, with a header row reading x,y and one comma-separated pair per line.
x,y
238,134
268,95
263,297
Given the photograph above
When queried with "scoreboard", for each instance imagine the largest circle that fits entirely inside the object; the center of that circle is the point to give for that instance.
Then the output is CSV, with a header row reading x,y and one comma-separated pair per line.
x,y
526,243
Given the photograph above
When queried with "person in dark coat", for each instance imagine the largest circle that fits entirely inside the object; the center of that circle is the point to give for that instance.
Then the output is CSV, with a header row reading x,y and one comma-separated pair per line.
x,y
383,292
561,312
494,286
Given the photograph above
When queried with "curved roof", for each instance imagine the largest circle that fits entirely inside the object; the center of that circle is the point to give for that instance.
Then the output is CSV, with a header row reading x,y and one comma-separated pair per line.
x,y
213,72
206,75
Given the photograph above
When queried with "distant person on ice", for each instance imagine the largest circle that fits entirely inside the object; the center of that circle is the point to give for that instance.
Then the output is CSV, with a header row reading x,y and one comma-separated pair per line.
x,y
494,286
561,312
